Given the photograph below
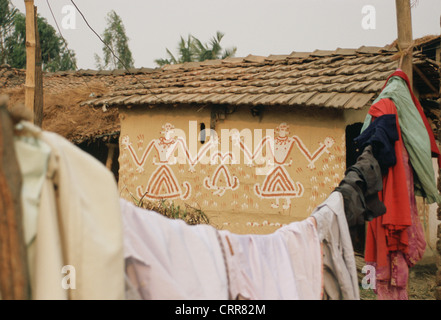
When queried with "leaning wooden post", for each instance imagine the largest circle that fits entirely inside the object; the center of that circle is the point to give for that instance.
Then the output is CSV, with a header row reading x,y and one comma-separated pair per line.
x,y
14,279
405,39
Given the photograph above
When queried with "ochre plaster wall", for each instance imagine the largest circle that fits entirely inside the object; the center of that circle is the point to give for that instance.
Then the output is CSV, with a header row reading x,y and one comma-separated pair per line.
x,y
235,192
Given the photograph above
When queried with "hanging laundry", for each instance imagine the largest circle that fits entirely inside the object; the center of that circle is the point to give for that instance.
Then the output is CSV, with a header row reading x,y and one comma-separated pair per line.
x,y
416,133
391,280
78,223
397,237
395,196
360,188
381,134
168,259
33,157
339,270
284,265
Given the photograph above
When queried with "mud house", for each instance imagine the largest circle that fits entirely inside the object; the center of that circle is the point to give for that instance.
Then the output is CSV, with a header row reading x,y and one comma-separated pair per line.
x,y
283,126
254,142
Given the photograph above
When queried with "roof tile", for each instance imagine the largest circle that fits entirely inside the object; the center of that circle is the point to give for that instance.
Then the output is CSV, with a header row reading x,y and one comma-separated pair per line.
x,y
322,53
359,100
302,98
339,100
320,99
345,52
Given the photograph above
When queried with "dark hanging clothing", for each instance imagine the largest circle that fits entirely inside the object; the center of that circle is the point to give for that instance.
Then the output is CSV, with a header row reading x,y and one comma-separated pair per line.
x,y
360,188
381,135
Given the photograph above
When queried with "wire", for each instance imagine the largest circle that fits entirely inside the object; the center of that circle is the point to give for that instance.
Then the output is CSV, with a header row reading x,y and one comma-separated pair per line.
x,y
113,53
65,43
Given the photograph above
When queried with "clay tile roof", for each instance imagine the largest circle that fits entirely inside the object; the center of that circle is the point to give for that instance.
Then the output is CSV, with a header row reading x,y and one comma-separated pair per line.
x,y
190,65
80,104
274,57
232,60
295,54
252,58
345,52
365,49
211,62
343,78
322,53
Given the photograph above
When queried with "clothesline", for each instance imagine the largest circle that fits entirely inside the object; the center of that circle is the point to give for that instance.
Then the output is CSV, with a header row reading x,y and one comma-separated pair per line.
x,y
168,259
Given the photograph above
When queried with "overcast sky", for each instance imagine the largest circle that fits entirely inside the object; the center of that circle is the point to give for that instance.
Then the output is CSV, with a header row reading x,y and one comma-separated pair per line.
x,y
258,27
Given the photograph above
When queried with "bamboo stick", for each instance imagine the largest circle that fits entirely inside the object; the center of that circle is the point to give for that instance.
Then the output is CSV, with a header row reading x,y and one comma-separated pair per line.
x,y
30,55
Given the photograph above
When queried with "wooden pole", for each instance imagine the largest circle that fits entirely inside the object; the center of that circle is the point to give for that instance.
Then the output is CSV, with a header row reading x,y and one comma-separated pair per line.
x,y
111,151
14,279
405,39
38,98
34,83
30,55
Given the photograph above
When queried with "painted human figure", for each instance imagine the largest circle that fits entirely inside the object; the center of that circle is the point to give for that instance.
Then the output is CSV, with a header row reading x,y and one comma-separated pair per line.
x,y
163,183
278,183
221,180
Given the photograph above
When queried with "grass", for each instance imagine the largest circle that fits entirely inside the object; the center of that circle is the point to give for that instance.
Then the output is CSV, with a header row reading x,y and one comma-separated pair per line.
x,y
189,214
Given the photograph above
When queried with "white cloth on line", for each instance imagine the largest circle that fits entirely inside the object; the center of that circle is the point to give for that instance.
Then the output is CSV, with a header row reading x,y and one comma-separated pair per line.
x,y
78,225
339,268
167,259
284,265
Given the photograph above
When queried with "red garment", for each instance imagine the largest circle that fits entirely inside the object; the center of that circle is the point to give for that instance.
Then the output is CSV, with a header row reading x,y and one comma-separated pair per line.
x,y
386,233
395,241
392,279
433,146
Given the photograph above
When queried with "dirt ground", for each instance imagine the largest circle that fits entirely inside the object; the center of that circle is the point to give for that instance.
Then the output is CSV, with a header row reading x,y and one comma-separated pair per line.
x,y
421,283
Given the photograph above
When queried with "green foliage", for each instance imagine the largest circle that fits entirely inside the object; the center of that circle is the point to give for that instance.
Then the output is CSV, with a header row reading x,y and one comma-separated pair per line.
x,y
55,55
115,40
193,49
7,14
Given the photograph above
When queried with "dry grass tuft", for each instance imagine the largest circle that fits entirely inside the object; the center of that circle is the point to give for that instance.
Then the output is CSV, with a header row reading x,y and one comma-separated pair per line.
x,y
189,214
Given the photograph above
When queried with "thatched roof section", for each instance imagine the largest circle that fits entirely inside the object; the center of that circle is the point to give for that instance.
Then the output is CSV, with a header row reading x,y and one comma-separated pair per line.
x,y
63,93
